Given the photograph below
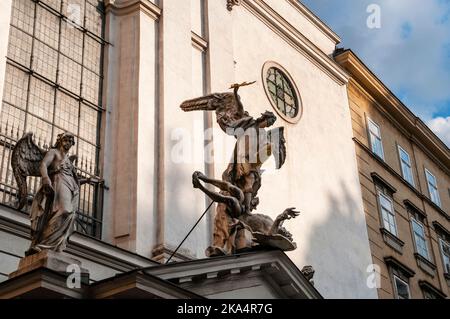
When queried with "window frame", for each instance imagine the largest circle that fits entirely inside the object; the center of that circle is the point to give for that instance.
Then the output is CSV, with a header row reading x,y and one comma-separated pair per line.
x,y
443,242
392,212
380,138
297,97
422,226
408,165
427,174
397,296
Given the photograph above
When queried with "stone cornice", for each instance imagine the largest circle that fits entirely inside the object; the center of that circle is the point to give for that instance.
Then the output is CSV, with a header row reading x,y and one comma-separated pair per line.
x,y
392,107
273,263
124,7
315,20
198,42
296,39
81,245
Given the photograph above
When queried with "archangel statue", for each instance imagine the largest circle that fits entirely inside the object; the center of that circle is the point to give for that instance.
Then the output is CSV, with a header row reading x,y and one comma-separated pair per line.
x,y
236,228
54,207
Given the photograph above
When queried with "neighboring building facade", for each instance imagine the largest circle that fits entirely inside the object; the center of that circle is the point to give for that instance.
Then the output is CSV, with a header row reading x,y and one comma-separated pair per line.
x,y
404,170
114,73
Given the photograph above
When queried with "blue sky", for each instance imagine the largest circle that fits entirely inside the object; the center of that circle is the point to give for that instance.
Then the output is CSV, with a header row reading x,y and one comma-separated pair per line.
x,y
410,52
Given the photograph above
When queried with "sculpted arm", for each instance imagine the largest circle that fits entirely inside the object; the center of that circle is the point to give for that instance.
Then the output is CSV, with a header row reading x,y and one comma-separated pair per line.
x,y
43,167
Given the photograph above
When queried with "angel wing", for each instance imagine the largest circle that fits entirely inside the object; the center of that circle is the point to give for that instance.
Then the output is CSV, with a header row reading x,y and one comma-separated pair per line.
x,y
209,102
25,160
278,145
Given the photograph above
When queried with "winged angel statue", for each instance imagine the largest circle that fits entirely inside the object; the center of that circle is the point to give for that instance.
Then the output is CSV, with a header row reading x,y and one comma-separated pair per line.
x,y
235,227
54,206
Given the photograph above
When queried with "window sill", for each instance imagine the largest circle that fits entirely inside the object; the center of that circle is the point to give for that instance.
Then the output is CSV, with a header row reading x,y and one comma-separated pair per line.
x,y
425,265
392,241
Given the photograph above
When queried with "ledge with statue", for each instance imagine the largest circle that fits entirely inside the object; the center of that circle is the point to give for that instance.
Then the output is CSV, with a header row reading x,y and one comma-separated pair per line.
x,y
247,249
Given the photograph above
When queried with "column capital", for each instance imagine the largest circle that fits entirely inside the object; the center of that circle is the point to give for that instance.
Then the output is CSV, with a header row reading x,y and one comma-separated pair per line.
x,y
125,7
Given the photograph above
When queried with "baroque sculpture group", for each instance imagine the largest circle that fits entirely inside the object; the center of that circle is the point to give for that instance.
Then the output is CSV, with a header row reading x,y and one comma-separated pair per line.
x,y
236,228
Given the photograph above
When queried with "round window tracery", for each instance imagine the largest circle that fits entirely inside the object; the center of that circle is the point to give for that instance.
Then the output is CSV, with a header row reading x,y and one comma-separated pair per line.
x,y
282,92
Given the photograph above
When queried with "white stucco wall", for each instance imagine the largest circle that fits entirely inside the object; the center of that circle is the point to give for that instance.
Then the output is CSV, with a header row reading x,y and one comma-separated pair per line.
x,y
309,29
320,174
183,205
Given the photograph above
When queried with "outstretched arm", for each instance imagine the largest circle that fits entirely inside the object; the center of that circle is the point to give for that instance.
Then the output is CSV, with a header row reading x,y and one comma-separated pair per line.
x,y
236,87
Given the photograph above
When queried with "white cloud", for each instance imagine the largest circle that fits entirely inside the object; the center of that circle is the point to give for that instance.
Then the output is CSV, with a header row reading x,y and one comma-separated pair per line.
x,y
416,67
441,127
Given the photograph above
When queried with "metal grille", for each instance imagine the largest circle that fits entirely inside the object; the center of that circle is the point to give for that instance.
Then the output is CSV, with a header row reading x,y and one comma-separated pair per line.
x,y
53,84
282,92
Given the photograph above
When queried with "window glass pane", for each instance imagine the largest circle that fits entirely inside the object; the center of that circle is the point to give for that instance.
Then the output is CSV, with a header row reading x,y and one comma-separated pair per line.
x,y
54,4
47,27
431,179
402,289
282,92
377,147
94,17
22,15
20,48
92,54
16,87
69,74
88,123
12,120
66,114
71,41
45,60
42,99
374,129
74,11
387,212
91,86
445,251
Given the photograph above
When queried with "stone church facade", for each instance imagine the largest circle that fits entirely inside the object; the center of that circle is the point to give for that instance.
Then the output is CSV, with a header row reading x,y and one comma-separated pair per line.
x,y
115,72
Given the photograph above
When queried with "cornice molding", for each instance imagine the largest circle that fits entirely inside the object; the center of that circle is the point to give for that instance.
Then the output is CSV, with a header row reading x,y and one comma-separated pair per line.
x,y
296,39
308,14
125,7
393,262
198,42
417,131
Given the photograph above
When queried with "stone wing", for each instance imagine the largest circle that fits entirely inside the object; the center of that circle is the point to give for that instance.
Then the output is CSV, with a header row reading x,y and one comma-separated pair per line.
x,y
25,160
278,145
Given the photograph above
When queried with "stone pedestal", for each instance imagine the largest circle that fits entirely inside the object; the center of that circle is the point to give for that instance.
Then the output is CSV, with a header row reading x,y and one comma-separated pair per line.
x,y
56,261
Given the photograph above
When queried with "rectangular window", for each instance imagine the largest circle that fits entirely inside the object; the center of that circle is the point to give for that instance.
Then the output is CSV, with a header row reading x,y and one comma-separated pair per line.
x,y
432,188
375,138
405,162
445,251
401,289
420,239
387,213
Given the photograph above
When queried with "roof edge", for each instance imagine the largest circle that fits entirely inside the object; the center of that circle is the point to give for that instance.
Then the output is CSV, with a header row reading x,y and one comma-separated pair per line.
x,y
314,19
409,121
